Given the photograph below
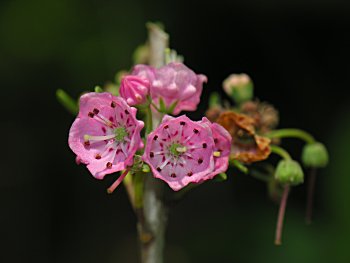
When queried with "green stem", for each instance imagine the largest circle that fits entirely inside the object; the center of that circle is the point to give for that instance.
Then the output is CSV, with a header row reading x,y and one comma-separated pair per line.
x,y
138,189
259,175
67,101
239,166
149,124
291,133
310,195
280,151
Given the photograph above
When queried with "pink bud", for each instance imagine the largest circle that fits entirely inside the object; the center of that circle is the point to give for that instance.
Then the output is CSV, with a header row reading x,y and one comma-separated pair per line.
x,y
134,89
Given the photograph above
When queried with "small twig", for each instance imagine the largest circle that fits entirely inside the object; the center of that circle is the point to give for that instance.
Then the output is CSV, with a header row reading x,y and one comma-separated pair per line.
x,y
310,195
281,212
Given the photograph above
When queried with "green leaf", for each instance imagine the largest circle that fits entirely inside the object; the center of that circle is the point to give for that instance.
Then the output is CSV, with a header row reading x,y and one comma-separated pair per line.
x,y
67,101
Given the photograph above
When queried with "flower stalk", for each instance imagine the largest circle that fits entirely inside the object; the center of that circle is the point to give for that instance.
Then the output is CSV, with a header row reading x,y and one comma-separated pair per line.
x,y
281,213
291,133
310,195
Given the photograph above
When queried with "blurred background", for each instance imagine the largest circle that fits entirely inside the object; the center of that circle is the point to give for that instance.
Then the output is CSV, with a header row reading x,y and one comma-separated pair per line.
x,y
51,210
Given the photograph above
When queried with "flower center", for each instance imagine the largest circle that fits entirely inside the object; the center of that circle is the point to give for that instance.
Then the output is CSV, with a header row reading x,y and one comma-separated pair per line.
x,y
120,133
177,149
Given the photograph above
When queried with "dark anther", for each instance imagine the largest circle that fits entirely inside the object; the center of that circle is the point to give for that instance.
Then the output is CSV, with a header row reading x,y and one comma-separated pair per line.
x,y
189,174
158,169
166,126
195,131
96,111
155,137
91,114
182,123
151,154
98,156
173,175
204,145
87,143
109,165
126,112
216,140
113,104
200,160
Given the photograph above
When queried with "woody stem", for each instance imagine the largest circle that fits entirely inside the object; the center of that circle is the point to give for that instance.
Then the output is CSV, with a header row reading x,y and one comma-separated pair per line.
x,y
153,214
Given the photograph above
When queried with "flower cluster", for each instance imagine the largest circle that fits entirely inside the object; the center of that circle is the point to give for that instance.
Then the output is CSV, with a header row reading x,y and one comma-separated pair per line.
x,y
106,135
174,85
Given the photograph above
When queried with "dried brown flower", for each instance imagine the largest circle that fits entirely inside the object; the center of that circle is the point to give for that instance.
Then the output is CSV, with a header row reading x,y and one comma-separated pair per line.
x,y
247,146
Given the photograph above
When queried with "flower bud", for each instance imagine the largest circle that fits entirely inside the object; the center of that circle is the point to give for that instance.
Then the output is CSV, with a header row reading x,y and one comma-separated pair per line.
x,y
239,87
315,155
134,89
289,172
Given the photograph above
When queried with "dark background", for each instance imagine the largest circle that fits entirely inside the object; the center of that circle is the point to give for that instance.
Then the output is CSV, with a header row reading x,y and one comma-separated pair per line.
x,y
51,210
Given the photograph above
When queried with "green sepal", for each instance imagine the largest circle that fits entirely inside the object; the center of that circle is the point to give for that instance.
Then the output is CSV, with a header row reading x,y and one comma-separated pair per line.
x,y
241,94
172,107
162,106
145,168
220,177
98,89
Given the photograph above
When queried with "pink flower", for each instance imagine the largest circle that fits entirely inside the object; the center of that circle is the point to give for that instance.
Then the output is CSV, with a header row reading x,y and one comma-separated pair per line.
x,y
181,151
106,134
144,71
134,89
222,147
177,83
